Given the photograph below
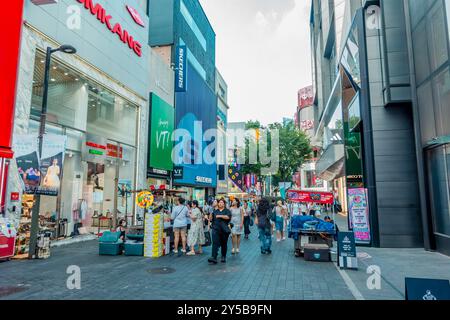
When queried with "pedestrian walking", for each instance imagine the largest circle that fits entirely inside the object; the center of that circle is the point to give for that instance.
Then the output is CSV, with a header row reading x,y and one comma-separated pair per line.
x,y
237,221
280,213
220,231
196,235
179,216
247,218
264,226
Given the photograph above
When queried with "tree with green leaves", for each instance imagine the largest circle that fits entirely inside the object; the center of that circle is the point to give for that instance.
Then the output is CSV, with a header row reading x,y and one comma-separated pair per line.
x,y
294,149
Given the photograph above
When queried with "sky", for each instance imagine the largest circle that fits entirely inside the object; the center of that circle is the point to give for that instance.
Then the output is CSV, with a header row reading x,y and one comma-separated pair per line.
x,y
263,53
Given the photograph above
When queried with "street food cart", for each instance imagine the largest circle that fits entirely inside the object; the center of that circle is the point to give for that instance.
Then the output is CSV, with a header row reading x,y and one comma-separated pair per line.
x,y
312,236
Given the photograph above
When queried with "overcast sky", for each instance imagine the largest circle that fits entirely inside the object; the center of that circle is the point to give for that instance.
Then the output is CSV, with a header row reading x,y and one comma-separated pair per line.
x,y
263,52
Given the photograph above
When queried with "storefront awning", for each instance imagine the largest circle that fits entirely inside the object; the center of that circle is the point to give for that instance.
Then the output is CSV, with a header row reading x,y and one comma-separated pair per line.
x,y
331,164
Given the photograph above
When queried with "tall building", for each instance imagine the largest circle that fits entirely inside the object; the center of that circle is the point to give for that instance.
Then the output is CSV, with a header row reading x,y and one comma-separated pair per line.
x,y
427,25
222,124
365,119
306,178
181,33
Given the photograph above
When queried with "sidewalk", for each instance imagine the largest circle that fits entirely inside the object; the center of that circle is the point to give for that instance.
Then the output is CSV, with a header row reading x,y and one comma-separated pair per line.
x,y
395,265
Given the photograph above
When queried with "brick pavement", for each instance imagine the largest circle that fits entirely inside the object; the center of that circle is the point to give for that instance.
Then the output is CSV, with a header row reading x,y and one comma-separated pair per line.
x,y
248,275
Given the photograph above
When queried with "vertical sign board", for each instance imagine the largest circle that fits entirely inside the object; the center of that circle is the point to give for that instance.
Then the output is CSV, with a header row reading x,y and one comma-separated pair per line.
x,y
427,289
359,214
347,250
11,22
181,69
162,125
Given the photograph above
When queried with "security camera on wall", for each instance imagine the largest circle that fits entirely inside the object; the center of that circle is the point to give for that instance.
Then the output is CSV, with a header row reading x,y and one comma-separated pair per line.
x,y
41,2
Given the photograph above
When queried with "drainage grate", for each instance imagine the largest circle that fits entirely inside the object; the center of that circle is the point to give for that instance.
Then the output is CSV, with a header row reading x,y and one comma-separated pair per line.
x,y
163,270
7,291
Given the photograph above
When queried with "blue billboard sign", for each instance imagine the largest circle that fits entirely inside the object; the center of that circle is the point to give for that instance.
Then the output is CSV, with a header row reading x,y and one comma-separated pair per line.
x,y
180,69
195,140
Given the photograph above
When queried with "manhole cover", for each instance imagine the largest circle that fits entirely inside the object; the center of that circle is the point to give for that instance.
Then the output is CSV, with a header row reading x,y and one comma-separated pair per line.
x,y
163,270
6,291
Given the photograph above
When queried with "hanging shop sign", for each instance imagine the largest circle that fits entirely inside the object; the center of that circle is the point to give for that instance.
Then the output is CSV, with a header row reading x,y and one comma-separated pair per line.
x,y
106,19
94,149
180,74
144,199
26,153
178,172
51,164
310,196
162,124
359,214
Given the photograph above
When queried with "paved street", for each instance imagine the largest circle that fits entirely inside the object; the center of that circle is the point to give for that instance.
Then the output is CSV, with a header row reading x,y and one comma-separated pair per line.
x,y
247,276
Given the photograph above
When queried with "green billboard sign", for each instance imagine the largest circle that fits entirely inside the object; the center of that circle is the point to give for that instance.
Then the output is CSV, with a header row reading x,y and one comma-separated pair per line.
x,y
161,128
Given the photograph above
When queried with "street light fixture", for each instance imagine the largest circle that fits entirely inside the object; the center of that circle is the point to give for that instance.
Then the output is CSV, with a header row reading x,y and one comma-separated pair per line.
x,y
35,216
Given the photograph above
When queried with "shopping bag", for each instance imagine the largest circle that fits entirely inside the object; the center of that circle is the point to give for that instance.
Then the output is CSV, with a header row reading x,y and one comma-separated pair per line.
x,y
207,239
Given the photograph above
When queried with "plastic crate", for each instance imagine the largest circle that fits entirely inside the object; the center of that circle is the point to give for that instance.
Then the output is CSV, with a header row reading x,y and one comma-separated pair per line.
x,y
109,249
134,248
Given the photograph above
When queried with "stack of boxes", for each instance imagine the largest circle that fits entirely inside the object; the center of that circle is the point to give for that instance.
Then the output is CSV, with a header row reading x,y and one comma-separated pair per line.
x,y
153,236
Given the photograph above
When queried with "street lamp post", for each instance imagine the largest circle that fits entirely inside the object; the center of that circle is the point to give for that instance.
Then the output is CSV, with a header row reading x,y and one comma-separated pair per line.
x,y
35,211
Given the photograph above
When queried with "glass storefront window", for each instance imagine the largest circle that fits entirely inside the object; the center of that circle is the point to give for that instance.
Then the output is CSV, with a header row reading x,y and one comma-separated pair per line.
x,y
350,56
79,107
334,131
439,165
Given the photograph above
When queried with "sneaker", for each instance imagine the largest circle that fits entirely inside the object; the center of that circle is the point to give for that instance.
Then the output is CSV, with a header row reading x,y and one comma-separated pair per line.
x,y
175,251
284,238
212,260
183,250
190,253
237,250
278,240
269,251
263,252
232,251
223,260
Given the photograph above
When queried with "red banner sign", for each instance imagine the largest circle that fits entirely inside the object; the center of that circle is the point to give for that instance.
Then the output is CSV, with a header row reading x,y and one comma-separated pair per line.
x,y
10,20
310,196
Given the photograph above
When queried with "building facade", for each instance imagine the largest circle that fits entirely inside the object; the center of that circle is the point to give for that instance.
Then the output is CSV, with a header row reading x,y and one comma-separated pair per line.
x,y
222,123
365,118
97,113
182,25
427,32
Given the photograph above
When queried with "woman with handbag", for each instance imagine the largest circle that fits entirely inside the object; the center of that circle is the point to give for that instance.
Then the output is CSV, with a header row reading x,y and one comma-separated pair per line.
x,y
180,221
264,226
220,231
196,235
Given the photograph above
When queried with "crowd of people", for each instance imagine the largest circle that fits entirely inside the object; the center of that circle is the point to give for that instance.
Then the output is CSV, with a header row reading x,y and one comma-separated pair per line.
x,y
219,219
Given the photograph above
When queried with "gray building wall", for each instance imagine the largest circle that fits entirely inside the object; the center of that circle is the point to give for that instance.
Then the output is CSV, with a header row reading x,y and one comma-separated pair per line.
x,y
397,191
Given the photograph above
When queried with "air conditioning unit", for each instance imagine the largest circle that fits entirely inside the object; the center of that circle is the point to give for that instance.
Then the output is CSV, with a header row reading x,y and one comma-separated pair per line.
x,y
41,2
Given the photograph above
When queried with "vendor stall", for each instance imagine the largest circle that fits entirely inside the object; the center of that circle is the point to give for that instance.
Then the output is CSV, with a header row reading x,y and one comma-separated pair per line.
x,y
313,237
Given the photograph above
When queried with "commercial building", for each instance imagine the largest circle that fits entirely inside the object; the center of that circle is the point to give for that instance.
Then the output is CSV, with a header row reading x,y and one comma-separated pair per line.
x,y
305,119
222,123
181,33
95,147
365,118
427,32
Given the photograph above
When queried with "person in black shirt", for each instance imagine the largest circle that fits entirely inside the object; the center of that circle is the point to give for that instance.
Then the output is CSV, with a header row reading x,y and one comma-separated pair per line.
x,y
220,231
264,226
